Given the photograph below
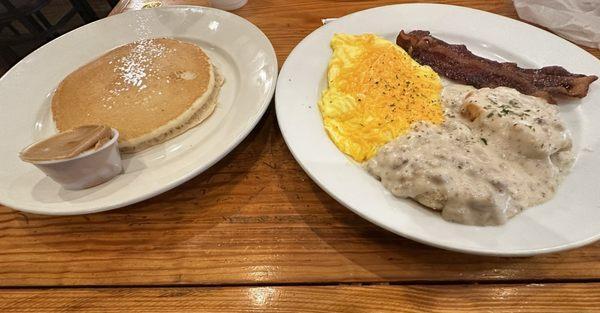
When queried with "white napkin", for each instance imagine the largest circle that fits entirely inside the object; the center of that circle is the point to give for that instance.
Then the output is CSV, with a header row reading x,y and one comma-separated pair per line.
x,y
575,20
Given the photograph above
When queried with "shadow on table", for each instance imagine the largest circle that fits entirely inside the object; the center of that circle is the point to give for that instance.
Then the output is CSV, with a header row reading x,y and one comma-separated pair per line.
x,y
388,257
169,221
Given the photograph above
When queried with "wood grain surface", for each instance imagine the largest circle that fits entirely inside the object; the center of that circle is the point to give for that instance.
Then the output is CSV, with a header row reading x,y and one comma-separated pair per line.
x,y
126,5
564,298
256,218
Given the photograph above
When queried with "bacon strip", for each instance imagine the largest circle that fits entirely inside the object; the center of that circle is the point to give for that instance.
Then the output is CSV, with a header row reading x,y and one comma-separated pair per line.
x,y
458,63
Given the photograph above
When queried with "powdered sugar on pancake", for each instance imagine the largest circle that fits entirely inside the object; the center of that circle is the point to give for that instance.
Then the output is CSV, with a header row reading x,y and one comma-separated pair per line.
x,y
135,66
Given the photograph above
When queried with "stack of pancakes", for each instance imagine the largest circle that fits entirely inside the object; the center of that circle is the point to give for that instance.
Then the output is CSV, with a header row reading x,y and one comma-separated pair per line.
x,y
150,91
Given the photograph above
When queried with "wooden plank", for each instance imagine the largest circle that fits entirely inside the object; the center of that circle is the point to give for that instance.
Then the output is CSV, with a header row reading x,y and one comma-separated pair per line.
x,y
255,217
125,5
120,7
288,22
562,298
270,15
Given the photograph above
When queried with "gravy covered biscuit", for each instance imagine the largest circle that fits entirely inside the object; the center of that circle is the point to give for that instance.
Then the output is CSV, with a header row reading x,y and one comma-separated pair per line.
x,y
497,153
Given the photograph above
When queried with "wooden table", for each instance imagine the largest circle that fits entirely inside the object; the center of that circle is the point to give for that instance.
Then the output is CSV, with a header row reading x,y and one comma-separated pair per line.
x,y
254,233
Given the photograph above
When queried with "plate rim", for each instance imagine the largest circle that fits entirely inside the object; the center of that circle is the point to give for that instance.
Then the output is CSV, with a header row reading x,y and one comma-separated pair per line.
x,y
262,109
455,248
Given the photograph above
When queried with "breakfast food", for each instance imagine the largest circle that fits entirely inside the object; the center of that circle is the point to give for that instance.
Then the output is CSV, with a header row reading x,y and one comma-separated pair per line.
x,y
497,152
149,90
78,158
458,63
479,156
375,92
68,144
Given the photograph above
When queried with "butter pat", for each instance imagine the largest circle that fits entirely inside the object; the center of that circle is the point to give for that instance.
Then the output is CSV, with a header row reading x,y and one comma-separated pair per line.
x,y
67,144
79,158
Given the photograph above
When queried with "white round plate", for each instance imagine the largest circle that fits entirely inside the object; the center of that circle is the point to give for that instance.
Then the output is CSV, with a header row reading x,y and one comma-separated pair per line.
x,y
569,220
239,49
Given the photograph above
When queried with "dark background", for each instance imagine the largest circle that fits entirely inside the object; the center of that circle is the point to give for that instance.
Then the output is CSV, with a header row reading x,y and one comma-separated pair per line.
x,y
28,24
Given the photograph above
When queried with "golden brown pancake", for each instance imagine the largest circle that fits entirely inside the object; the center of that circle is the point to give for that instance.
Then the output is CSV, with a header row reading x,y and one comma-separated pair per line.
x,y
150,91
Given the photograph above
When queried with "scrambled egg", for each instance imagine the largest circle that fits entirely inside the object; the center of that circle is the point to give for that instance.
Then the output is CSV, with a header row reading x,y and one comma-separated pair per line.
x,y
376,91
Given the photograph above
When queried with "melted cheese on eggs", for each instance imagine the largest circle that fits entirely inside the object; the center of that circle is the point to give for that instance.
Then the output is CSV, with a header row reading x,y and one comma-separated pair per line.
x,y
376,91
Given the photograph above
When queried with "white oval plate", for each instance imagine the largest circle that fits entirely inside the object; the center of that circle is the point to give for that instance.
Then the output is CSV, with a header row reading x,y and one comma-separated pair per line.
x,y
241,51
569,220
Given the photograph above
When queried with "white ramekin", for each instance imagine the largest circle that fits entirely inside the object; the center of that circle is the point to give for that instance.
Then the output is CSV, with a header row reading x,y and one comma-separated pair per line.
x,y
88,169
228,4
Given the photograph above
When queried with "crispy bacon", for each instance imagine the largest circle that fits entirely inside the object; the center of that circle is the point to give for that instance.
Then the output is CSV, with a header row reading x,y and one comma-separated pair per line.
x,y
458,63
